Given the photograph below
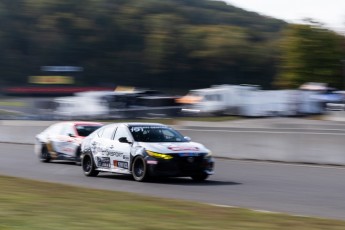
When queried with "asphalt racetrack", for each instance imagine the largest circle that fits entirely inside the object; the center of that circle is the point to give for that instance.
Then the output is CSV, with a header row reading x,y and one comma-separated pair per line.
x,y
295,189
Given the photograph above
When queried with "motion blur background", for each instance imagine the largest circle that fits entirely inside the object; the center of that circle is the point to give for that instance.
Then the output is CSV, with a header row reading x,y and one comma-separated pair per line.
x,y
58,48
196,61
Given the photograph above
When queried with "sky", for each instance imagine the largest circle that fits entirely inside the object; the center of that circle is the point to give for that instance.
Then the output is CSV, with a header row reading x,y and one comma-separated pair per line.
x,y
329,12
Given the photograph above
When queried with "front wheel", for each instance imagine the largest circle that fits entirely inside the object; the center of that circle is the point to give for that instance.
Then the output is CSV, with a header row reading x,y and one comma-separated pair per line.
x,y
88,166
200,177
139,169
45,155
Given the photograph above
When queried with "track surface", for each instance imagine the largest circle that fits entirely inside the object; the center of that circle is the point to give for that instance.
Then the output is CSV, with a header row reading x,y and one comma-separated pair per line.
x,y
294,189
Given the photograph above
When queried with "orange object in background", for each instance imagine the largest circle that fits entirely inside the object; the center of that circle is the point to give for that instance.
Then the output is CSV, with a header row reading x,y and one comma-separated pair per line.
x,y
188,99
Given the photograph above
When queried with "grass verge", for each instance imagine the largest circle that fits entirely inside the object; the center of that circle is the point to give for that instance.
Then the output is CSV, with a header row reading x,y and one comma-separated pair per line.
x,y
26,204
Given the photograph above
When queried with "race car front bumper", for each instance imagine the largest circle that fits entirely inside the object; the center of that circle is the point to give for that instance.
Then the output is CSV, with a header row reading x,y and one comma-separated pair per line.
x,y
180,166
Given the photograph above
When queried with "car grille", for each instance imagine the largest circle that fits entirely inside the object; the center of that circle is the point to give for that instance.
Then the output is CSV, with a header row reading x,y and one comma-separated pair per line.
x,y
182,164
189,163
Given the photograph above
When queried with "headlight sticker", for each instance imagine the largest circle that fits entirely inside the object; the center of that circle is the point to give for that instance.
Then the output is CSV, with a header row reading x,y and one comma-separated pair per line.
x,y
159,155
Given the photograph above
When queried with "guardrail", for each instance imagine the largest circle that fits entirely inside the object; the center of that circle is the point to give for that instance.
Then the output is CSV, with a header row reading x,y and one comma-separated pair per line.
x,y
295,146
321,147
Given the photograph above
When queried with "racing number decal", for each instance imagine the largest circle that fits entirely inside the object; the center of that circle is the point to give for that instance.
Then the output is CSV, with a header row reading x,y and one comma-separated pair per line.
x,y
120,164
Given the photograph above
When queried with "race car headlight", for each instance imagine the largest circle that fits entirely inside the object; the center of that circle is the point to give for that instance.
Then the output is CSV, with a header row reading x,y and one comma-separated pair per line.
x,y
209,154
159,155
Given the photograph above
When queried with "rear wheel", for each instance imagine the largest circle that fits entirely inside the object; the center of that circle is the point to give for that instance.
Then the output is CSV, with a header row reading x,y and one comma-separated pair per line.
x,y
200,177
139,169
88,166
45,155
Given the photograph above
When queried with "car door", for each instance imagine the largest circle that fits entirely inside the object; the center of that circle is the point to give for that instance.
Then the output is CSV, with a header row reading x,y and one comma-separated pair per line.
x,y
100,146
67,143
119,152
48,139
54,139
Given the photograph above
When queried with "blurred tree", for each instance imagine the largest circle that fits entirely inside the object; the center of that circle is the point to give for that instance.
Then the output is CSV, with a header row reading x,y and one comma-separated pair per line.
x,y
160,40
310,53
152,43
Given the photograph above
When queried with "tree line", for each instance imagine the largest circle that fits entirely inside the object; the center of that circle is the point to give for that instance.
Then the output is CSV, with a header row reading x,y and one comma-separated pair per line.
x,y
172,44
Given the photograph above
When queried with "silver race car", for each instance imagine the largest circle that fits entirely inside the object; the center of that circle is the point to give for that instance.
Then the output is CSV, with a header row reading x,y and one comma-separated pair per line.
x,y
144,150
61,141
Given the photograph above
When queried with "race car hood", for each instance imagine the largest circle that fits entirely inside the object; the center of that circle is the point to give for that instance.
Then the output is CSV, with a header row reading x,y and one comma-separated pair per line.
x,y
174,147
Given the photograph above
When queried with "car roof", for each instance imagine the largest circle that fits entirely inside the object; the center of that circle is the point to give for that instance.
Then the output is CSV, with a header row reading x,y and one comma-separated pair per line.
x,y
138,124
81,123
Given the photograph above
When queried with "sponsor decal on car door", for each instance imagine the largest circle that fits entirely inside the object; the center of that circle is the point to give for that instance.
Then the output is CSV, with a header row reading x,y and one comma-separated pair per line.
x,y
119,155
100,153
119,152
69,146
61,145
65,143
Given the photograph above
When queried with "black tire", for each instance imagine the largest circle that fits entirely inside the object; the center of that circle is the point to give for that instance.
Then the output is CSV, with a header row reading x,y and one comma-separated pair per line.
x,y
200,177
139,169
45,155
89,166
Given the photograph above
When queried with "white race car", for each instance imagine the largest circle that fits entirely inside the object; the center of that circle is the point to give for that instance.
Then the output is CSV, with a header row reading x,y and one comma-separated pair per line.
x,y
144,150
61,141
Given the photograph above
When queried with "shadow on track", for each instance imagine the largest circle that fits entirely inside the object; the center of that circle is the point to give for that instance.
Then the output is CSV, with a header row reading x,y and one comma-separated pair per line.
x,y
62,162
170,180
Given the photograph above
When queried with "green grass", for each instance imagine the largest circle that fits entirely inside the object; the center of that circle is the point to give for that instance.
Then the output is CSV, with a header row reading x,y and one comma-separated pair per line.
x,y
26,204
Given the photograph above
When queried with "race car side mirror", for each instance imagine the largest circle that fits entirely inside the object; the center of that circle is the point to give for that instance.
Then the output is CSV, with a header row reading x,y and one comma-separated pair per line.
x,y
124,140
71,135
187,138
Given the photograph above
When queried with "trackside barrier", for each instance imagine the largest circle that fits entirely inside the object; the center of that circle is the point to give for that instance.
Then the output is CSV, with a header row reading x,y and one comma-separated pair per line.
x,y
286,146
301,147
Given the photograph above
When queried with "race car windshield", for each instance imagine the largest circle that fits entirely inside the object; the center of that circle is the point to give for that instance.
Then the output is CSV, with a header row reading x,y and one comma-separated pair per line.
x,y
86,130
155,134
